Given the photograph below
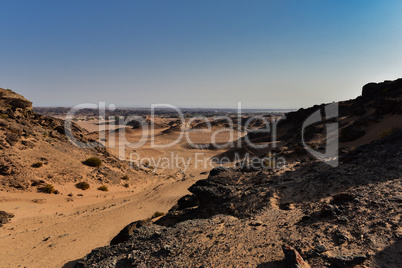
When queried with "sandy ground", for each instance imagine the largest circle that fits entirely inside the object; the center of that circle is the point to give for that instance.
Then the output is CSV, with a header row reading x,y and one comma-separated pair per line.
x,y
52,230
55,230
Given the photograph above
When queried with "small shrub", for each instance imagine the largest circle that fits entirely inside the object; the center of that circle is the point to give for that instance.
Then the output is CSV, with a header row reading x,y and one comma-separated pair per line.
x,y
48,188
157,214
388,132
125,178
5,217
103,188
126,185
93,162
37,164
82,185
4,116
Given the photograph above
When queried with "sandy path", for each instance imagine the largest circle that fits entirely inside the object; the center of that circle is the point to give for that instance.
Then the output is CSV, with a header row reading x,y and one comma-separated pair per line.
x,y
57,232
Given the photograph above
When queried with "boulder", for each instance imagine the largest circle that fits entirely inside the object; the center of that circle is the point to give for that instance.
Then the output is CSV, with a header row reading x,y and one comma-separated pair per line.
x,y
347,261
127,231
292,257
5,217
217,170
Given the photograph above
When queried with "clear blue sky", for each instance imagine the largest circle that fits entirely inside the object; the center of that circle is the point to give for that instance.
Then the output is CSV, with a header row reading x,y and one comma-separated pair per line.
x,y
266,54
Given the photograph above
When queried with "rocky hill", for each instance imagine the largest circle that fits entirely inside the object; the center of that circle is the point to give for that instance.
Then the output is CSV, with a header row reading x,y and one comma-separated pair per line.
x,y
308,215
35,150
360,121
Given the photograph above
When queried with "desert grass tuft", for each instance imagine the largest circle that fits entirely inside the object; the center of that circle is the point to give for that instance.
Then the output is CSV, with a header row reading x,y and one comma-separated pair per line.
x,y
93,162
82,185
103,188
48,188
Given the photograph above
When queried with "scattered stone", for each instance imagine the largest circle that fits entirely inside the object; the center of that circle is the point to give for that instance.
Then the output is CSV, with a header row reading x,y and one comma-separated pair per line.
x,y
28,144
256,223
397,199
287,206
340,237
5,217
39,201
292,257
329,210
347,261
6,170
37,182
320,248
342,197
343,219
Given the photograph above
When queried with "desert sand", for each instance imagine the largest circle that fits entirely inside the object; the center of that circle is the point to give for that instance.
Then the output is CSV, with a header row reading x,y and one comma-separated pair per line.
x,y
69,227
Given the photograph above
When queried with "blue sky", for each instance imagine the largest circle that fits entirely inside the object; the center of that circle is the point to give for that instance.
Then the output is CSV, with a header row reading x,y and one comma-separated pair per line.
x,y
266,54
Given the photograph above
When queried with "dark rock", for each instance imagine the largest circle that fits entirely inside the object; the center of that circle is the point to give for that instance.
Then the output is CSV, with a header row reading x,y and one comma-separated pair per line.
x,y
347,261
37,182
127,231
329,210
397,199
340,237
320,248
5,217
384,89
6,170
60,130
187,201
12,138
28,144
287,206
255,223
343,219
217,170
342,197
292,257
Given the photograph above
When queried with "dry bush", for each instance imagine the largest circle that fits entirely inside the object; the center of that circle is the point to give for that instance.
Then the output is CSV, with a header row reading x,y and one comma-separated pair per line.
x,y
48,188
93,162
103,188
82,185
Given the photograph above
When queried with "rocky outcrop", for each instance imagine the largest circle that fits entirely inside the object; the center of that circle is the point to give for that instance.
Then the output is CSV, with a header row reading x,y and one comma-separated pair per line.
x,y
377,100
13,101
27,137
384,89
292,257
223,192
127,231
325,216
318,211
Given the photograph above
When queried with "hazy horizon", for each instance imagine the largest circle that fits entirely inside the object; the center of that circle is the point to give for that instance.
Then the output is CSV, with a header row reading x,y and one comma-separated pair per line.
x,y
198,54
